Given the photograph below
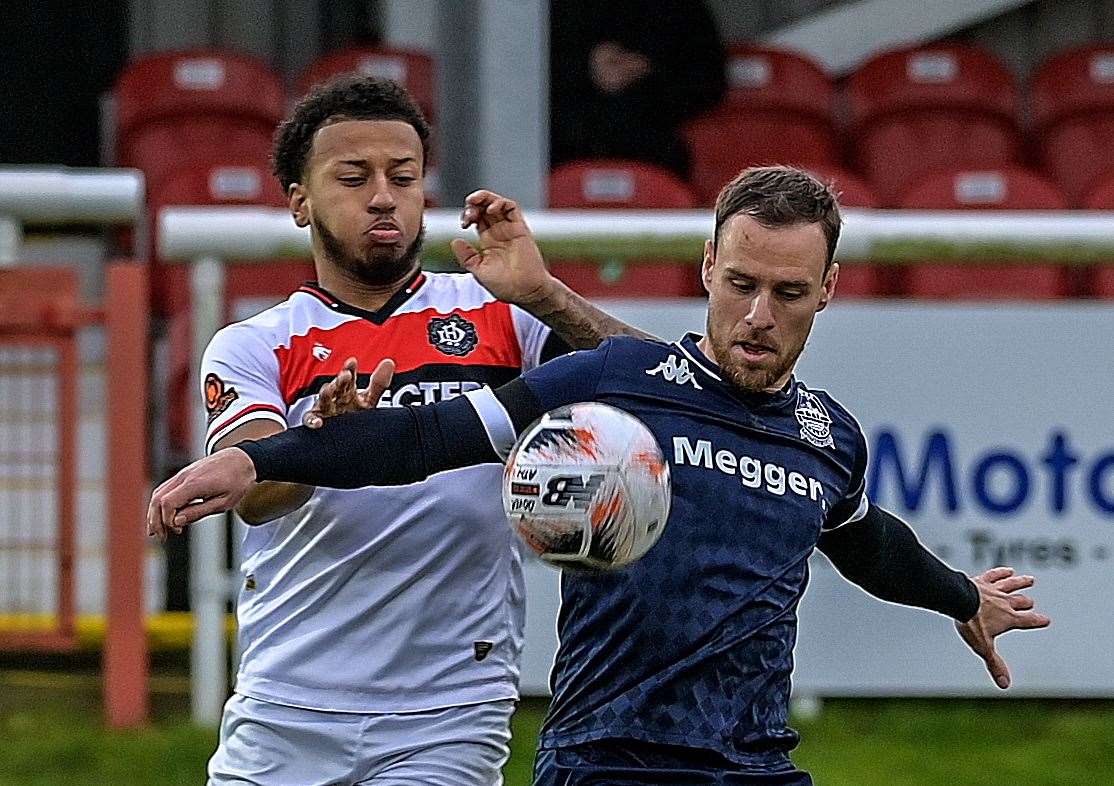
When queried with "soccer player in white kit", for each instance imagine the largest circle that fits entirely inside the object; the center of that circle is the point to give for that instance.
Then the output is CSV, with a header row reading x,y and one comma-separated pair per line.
x,y
379,645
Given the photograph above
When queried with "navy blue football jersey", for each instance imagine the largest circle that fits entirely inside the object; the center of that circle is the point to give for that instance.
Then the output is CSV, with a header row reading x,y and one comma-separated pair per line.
x,y
693,644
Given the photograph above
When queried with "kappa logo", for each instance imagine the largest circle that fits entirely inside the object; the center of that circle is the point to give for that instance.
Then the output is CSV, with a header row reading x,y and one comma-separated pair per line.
x,y
816,423
321,352
453,335
676,371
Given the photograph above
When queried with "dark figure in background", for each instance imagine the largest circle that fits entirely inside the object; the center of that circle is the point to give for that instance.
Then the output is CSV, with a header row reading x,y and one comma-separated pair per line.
x,y
59,57
626,74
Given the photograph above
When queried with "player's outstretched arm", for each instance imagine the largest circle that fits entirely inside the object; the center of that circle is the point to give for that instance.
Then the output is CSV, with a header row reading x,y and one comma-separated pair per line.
x,y
378,447
268,500
881,554
509,265
375,447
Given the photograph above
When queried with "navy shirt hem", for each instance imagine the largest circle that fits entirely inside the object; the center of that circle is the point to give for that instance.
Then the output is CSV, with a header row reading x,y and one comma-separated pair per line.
x,y
759,762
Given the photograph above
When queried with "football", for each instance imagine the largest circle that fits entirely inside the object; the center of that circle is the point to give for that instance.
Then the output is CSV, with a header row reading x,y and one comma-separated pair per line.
x,y
586,486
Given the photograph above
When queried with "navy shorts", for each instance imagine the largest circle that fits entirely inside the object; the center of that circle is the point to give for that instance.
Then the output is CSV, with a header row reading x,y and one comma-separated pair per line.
x,y
633,763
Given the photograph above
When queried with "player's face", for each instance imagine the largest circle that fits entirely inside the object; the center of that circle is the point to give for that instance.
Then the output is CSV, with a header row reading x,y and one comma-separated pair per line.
x,y
363,197
765,287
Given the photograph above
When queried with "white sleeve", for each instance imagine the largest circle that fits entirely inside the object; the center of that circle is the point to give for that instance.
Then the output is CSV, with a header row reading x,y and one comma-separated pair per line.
x,y
239,382
532,334
495,420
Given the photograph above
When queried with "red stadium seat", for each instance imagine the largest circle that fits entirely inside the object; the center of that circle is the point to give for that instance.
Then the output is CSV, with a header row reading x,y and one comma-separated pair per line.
x,y
1102,284
615,184
178,107
1009,188
852,191
219,181
762,78
1101,194
855,280
411,69
725,142
778,109
935,108
1073,116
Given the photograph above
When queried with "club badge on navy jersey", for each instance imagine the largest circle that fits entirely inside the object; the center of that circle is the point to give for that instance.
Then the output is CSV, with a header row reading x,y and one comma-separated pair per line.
x,y
453,335
816,423
218,398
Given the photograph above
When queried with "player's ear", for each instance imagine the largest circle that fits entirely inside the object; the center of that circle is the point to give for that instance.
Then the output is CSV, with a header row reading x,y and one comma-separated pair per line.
x,y
830,280
298,205
707,265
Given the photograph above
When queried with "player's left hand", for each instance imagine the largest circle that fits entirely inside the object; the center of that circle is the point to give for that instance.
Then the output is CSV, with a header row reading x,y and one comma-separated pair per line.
x,y
340,394
508,262
1001,609
211,485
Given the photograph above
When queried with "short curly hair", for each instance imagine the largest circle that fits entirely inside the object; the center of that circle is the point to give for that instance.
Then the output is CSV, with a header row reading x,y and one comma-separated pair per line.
x,y
343,98
779,196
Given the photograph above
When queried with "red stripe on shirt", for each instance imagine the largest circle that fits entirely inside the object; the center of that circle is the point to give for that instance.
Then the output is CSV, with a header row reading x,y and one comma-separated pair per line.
x,y
404,338
316,294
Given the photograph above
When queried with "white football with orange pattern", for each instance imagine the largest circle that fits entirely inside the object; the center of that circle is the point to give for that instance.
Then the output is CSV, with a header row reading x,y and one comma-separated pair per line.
x,y
586,486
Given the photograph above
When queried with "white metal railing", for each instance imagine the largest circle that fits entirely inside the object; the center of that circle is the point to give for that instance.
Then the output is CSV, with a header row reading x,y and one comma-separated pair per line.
x,y
62,195
247,233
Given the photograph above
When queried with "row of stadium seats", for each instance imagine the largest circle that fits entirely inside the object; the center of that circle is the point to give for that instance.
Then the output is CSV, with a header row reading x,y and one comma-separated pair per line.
x,y
200,123
615,185
905,115
631,185
926,280
908,113
178,111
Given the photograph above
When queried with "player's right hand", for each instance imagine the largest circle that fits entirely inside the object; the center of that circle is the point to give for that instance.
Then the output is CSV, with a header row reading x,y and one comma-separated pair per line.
x,y
211,485
340,394
508,262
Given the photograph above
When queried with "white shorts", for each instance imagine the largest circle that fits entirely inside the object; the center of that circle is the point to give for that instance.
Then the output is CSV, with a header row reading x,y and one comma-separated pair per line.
x,y
267,744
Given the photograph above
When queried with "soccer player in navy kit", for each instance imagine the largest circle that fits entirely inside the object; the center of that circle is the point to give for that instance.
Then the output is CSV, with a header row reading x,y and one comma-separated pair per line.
x,y
676,669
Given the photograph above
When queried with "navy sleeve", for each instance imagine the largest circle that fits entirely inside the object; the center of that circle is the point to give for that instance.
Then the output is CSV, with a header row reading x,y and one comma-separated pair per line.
x,y
554,347
881,554
853,505
376,447
569,379
362,448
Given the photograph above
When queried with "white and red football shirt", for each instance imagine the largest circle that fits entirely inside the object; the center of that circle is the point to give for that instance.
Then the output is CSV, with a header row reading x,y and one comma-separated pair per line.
x,y
381,599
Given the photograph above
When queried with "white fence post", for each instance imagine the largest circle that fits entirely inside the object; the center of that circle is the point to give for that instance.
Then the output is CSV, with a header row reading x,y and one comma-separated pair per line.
x,y
209,583
11,239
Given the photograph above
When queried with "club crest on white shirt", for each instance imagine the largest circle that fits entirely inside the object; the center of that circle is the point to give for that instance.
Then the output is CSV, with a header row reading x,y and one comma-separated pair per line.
x,y
453,335
675,371
816,423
